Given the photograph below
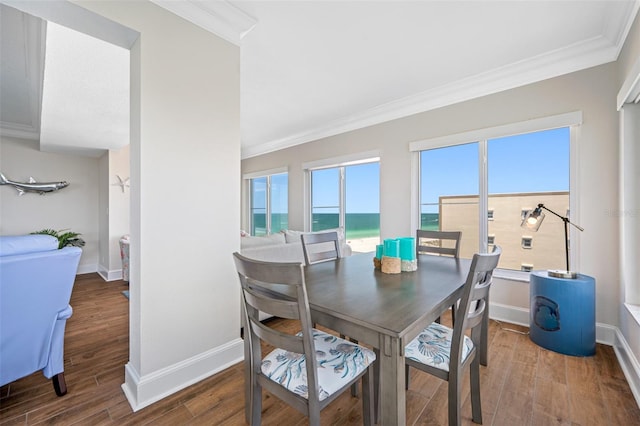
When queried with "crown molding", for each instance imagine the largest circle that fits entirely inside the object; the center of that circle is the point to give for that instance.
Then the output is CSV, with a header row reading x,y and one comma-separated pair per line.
x,y
19,131
586,54
218,17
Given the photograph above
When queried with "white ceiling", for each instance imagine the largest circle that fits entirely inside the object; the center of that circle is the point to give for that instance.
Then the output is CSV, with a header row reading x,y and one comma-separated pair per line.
x,y
311,69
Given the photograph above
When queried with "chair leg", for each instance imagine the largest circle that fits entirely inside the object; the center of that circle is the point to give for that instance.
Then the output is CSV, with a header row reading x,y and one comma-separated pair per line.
x,y
367,397
476,405
59,384
256,403
354,387
376,385
484,339
407,375
455,390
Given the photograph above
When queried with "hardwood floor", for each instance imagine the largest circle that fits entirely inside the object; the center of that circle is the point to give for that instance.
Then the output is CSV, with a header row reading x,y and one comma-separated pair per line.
x,y
523,384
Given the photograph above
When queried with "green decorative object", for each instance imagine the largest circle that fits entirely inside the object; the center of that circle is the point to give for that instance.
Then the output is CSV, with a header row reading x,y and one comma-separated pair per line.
x,y
65,239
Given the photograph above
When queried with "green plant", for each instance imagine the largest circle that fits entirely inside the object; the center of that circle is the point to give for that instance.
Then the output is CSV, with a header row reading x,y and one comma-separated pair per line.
x,y
65,239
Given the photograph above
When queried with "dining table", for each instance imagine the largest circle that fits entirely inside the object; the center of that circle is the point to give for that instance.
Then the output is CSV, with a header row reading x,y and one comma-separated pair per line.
x,y
385,311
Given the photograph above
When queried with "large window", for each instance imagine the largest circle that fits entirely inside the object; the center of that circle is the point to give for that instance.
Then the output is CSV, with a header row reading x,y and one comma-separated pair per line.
x,y
348,196
269,204
484,188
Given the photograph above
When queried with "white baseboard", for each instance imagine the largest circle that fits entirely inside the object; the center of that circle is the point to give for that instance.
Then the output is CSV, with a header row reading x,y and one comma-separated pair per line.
x,y
628,363
605,334
110,275
144,391
87,269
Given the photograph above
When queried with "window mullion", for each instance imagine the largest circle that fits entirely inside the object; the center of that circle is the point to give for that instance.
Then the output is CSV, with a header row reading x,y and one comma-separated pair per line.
x,y
483,198
268,204
342,208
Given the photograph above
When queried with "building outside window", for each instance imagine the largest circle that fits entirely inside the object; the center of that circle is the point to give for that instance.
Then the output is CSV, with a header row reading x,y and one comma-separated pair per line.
x,y
348,196
519,172
269,204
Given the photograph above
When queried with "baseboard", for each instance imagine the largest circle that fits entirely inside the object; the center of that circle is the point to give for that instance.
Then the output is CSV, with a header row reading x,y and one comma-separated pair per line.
x,y
144,391
87,269
510,314
628,363
110,275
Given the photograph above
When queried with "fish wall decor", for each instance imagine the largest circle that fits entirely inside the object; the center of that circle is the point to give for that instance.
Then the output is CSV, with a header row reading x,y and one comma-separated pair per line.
x,y
33,186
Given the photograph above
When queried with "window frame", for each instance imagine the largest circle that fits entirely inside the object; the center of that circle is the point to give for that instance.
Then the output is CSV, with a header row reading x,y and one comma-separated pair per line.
x,y
247,178
572,120
331,163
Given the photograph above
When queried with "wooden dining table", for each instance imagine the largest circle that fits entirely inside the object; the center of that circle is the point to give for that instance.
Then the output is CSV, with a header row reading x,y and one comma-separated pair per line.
x,y
385,311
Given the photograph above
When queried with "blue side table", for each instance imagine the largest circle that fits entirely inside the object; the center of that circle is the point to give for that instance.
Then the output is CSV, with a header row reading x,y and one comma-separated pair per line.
x,y
562,315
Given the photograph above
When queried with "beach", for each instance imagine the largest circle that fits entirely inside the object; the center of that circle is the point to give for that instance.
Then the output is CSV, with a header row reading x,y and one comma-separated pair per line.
x,y
363,245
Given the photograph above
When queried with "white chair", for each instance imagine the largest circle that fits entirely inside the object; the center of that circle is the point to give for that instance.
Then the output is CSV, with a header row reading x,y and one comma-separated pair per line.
x,y
446,353
308,370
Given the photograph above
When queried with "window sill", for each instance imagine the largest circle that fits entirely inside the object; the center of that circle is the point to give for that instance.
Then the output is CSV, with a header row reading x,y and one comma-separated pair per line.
x,y
510,275
634,310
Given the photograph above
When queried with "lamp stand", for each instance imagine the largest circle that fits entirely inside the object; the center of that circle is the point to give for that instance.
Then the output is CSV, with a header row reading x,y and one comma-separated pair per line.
x,y
558,273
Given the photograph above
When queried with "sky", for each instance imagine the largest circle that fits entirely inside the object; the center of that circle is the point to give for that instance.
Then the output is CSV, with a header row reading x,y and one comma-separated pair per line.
x,y
532,162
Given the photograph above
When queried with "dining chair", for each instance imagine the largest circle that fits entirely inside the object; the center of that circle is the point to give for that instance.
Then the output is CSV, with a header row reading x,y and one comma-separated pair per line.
x,y
320,247
447,353
323,247
441,243
307,370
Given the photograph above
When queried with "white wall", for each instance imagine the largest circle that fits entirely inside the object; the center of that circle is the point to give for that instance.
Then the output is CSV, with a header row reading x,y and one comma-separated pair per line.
x,y
114,211
628,345
74,207
592,91
185,148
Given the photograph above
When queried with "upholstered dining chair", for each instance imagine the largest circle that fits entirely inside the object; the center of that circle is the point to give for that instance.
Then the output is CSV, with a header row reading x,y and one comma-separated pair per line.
x,y
323,247
447,353
307,370
320,247
441,243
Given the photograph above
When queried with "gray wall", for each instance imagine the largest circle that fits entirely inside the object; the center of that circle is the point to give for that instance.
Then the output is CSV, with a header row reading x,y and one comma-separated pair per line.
x,y
591,91
74,207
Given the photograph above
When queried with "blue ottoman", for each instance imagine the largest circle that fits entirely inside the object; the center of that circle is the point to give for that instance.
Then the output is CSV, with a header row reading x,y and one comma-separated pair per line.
x,y
562,315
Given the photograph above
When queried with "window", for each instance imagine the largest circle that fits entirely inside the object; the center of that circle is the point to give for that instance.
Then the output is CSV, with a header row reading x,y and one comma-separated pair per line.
x,y
459,180
348,196
526,267
268,203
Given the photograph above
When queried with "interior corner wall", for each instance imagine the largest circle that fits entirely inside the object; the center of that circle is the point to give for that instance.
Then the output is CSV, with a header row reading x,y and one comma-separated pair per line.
x,y
592,91
185,149
74,207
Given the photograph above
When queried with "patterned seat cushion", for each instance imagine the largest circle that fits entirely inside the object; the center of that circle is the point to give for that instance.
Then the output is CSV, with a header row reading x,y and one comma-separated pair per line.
x,y
433,346
339,361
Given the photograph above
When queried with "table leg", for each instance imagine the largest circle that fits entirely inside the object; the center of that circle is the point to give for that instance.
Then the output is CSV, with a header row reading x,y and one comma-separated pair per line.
x,y
392,380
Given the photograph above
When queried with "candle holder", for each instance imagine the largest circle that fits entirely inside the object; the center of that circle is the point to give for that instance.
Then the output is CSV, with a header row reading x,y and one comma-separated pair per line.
x,y
391,265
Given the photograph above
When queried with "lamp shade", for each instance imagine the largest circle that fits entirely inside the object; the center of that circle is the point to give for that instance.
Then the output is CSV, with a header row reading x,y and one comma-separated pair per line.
x,y
533,219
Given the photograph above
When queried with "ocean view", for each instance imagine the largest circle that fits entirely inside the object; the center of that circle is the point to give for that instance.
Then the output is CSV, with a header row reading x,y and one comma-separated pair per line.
x,y
357,225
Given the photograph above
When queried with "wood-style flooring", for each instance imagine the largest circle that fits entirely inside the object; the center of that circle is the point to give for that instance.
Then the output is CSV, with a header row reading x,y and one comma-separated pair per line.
x,y
523,384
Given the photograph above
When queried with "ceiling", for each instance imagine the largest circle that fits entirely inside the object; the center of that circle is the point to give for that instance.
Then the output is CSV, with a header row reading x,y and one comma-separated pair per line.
x,y
311,69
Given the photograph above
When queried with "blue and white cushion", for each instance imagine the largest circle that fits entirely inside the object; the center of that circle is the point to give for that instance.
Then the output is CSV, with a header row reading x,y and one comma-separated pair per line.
x,y
433,347
339,361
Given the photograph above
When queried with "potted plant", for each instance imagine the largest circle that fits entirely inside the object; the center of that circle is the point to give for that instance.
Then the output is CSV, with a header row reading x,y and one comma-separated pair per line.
x,y
64,236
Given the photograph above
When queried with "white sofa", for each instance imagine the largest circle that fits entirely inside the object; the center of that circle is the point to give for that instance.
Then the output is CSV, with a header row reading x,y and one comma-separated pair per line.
x,y
285,246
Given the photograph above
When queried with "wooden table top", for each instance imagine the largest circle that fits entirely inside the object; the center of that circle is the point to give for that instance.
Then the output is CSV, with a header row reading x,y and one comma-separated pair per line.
x,y
392,304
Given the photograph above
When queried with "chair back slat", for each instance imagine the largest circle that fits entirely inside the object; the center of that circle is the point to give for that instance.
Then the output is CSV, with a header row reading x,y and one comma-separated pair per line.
x,y
272,304
475,294
439,242
277,338
320,247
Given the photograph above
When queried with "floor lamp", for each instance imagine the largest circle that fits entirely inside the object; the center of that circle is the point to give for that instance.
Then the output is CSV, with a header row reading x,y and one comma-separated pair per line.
x,y
534,219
